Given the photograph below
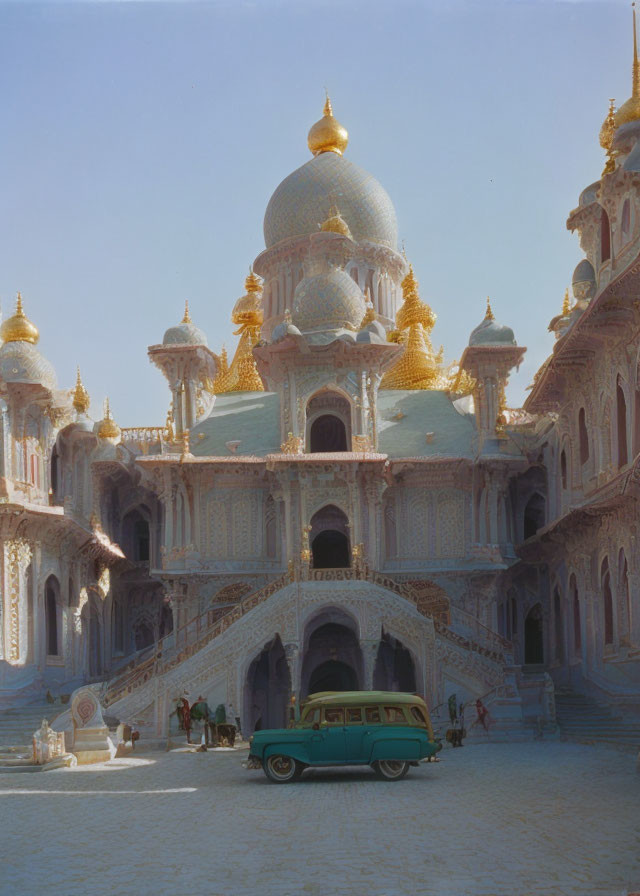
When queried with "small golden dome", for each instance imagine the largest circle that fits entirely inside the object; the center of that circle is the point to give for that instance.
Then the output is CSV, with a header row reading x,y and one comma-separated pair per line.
x,y
328,135
81,400
19,328
335,223
108,428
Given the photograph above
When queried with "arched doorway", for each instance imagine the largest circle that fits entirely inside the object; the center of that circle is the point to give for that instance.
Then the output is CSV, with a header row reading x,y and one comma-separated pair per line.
x,y
268,687
329,539
332,656
328,423
394,669
51,599
333,676
534,636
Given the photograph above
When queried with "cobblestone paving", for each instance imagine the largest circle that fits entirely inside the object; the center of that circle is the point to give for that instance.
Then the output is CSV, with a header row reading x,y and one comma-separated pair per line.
x,y
538,819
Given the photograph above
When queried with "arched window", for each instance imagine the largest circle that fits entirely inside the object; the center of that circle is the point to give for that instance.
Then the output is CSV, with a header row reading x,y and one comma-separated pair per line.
x,y
270,527
584,437
607,599
621,405
577,631
136,536
605,237
51,595
533,637
329,539
55,471
328,423
563,469
534,514
557,626
626,220
623,579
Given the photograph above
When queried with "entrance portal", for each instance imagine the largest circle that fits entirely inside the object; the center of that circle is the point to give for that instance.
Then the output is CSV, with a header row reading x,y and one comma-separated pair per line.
x,y
268,686
394,669
329,538
533,636
333,676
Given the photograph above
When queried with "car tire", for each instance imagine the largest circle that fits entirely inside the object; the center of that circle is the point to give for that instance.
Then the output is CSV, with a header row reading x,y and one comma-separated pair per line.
x,y
391,769
282,769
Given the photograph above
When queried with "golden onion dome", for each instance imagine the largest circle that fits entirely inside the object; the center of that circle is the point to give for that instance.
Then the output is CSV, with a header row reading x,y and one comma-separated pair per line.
x,y
630,111
19,328
108,428
81,400
335,223
327,135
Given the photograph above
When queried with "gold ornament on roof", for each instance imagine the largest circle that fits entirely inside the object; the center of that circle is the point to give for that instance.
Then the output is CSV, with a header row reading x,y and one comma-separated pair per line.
x,y
108,428
370,314
566,305
335,223
501,418
81,400
630,111
327,135
606,138
242,374
187,317
489,315
18,327
418,367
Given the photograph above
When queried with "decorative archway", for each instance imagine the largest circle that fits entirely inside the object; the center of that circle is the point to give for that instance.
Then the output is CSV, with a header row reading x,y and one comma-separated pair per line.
x,y
267,688
534,636
395,669
332,657
329,539
328,423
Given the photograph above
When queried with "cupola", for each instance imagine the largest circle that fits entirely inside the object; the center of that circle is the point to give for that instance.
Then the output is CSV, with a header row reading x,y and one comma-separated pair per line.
x,y
18,327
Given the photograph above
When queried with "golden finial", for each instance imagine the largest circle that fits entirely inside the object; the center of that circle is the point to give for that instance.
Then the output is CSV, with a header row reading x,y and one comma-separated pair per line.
x,y
187,317
253,283
108,428
327,135
630,111
489,315
335,223
81,400
565,303
606,138
18,327
328,109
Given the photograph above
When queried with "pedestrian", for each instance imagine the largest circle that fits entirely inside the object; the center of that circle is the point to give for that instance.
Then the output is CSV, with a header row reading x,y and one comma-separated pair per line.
x,y
186,715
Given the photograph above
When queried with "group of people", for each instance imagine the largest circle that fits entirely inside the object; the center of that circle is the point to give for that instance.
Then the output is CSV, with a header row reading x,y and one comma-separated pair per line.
x,y
215,728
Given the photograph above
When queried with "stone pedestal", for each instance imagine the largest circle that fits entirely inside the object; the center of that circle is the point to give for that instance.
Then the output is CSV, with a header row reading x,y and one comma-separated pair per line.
x,y
91,741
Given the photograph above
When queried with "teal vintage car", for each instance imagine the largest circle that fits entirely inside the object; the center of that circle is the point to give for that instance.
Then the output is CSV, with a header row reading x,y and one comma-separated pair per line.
x,y
386,730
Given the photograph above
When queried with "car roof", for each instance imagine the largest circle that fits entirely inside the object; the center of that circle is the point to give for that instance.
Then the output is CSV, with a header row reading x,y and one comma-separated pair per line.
x,y
361,698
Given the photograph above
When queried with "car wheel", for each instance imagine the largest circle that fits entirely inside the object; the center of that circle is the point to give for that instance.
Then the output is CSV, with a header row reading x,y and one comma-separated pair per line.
x,y
391,769
282,769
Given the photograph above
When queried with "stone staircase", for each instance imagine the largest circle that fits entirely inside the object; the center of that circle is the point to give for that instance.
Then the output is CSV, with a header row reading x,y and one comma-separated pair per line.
x,y
581,718
16,730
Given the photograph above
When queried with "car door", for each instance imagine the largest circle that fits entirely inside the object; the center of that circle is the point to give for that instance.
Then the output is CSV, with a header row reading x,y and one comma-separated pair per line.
x,y
327,745
356,735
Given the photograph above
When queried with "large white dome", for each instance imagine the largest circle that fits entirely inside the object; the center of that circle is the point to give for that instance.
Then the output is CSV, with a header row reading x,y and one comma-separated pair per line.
x,y
303,200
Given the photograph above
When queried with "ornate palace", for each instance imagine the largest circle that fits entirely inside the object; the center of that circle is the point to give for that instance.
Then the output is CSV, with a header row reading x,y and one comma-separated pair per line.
x,y
332,507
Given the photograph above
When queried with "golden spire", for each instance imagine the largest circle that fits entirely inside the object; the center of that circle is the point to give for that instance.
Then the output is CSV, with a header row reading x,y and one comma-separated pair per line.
x,y
108,428
335,223
81,400
418,367
630,111
187,317
489,315
566,308
242,374
19,328
327,135
606,138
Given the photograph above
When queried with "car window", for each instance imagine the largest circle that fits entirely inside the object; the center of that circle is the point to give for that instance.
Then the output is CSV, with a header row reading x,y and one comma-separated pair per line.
x,y
310,717
418,715
334,715
354,715
372,714
394,715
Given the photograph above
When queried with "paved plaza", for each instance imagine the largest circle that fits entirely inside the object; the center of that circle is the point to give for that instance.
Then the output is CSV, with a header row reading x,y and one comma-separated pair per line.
x,y
549,819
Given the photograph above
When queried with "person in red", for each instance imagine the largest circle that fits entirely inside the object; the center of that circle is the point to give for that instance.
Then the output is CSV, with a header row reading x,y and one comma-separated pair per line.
x,y
186,715
483,713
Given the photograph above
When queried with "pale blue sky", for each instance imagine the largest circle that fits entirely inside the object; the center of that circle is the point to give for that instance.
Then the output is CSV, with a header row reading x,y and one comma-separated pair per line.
x,y
141,143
